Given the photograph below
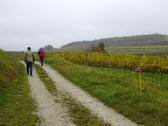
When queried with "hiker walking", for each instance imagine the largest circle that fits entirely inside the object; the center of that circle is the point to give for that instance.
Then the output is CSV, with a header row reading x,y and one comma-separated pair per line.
x,y
29,60
41,54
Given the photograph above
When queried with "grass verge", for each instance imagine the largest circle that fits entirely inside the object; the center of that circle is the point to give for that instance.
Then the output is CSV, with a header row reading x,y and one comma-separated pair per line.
x,y
80,115
16,105
149,109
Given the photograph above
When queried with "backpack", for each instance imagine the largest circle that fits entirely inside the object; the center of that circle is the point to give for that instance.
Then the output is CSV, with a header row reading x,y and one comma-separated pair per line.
x,y
29,57
42,54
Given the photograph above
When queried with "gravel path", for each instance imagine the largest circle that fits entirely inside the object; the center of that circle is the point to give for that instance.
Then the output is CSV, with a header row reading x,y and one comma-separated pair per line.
x,y
96,107
50,112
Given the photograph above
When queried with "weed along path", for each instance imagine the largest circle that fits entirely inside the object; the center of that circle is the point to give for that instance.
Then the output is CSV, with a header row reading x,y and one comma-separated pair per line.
x,y
107,114
50,112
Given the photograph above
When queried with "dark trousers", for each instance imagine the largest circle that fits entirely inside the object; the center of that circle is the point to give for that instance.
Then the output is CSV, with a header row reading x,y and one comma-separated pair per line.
x,y
42,61
29,68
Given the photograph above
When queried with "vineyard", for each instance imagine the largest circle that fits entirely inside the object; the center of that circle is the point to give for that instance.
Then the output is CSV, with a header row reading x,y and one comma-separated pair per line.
x,y
154,68
117,85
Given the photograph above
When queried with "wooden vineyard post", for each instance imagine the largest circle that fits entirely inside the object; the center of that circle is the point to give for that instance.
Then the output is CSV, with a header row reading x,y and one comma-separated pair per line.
x,y
161,77
138,70
140,83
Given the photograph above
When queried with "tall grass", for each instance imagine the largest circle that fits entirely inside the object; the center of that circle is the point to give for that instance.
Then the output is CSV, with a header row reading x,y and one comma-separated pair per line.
x,y
16,104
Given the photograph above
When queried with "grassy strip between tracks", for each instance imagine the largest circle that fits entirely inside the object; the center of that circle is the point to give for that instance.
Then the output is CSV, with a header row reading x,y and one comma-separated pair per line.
x,y
79,114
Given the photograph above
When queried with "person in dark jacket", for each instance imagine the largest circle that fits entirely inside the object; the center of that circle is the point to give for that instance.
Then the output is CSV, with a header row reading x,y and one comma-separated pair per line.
x,y
41,54
29,60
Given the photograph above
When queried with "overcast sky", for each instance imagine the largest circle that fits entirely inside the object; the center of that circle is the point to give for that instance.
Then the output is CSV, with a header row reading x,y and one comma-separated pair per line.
x,y
37,23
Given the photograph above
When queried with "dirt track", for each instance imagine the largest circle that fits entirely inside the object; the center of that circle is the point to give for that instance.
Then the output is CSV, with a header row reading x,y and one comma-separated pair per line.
x,y
96,107
50,112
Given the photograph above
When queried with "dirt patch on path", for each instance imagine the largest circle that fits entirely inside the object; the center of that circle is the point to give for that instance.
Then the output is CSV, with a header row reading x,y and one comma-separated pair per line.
x,y
50,112
96,107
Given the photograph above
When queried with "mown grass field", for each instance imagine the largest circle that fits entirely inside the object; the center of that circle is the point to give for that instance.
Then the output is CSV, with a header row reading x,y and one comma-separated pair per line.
x,y
133,49
140,49
117,92
16,104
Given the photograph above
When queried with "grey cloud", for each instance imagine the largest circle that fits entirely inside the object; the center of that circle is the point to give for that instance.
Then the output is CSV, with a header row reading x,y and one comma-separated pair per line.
x,y
39,22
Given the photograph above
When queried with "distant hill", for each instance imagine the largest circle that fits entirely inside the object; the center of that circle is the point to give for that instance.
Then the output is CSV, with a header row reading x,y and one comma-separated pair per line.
x,y
49,48
150,39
